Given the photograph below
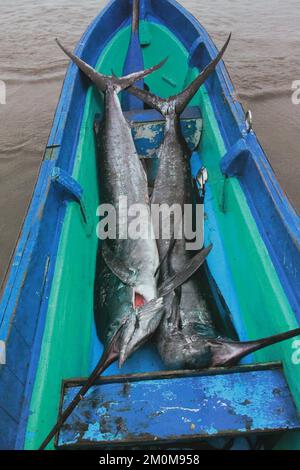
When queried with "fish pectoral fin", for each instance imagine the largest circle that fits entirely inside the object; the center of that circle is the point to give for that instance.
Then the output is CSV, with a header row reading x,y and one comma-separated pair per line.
x,y
140,327
178,279
127,335
125,273
167,254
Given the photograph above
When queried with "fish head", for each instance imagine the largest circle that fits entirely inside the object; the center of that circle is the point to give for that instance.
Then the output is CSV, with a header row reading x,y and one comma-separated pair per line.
x,y
196,352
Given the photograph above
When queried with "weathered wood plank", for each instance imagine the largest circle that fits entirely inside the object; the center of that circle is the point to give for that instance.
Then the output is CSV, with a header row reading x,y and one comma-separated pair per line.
x,y
179,408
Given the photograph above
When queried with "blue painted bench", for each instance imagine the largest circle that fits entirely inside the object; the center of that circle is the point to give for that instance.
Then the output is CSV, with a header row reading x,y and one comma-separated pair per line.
x,y
169,408
148,131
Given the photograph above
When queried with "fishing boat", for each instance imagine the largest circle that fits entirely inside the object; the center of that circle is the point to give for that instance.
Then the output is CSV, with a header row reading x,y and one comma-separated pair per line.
x,y
48,343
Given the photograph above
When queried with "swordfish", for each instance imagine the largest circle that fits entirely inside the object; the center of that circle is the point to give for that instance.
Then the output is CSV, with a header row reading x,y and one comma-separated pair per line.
x,y
127,309
125,285
187,337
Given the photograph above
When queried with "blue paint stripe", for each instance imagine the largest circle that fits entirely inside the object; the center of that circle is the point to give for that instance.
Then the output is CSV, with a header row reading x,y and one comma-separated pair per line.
x,y
23,252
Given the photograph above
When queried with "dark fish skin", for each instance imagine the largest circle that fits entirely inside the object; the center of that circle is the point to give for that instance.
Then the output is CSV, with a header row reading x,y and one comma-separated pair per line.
x,y
187,313
125,267
187,337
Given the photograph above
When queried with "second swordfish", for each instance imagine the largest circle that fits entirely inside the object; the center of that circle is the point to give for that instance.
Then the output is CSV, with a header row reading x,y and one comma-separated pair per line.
x,y
187,337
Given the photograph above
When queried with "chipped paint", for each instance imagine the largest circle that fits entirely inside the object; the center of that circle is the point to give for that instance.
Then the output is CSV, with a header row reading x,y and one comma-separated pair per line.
x,y
181,408
146,131
148,135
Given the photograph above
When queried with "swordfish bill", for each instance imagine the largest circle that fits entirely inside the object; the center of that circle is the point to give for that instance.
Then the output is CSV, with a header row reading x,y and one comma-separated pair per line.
x,y
228,353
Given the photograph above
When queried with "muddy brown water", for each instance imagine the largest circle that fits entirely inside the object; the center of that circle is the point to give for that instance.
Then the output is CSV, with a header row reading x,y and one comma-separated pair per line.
x,y
263,61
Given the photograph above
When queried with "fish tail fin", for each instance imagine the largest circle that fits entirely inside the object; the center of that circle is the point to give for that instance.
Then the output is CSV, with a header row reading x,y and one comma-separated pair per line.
x,y
103,81
150,99
185,97
97,78
226,353
182,99
135,16
129,80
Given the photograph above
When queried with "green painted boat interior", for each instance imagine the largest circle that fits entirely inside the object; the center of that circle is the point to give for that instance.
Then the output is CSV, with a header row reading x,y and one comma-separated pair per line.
x,y
70,347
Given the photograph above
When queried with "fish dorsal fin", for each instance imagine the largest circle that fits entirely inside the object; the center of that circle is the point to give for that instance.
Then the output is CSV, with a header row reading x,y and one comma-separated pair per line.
x,y
101,81
182,99
178,279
